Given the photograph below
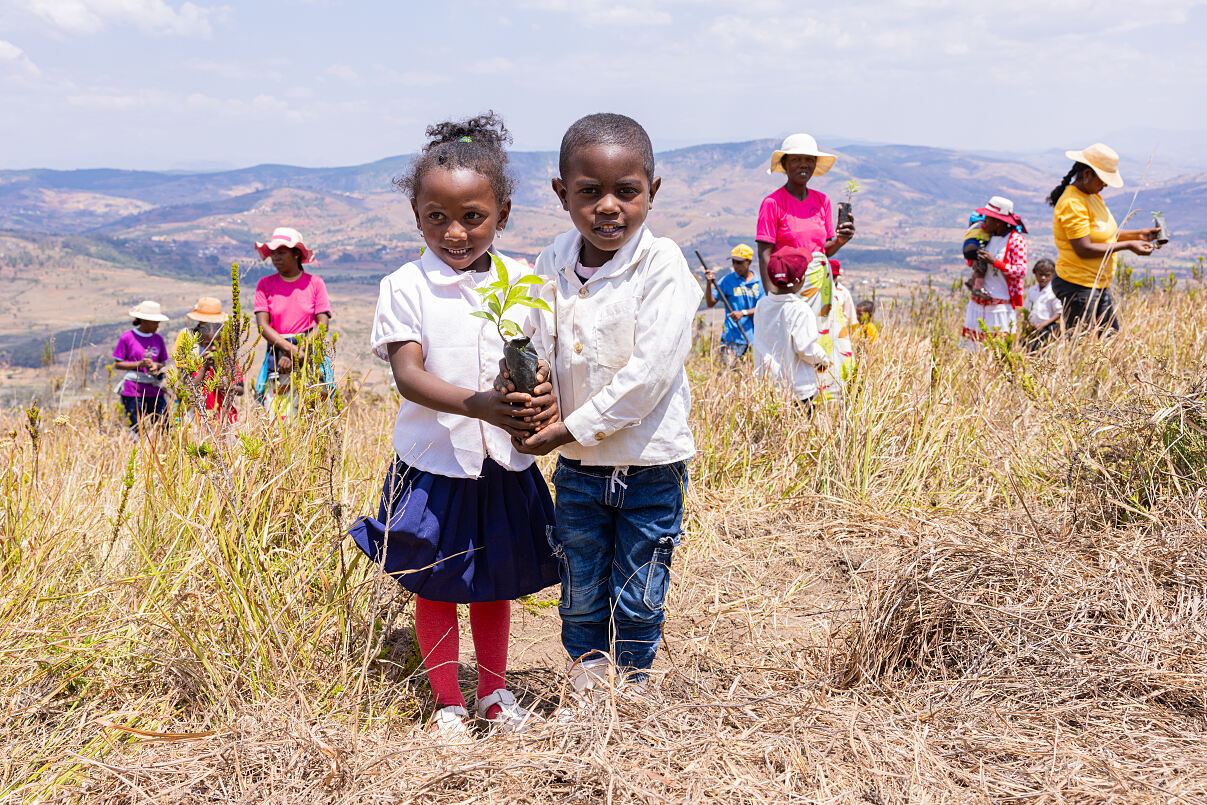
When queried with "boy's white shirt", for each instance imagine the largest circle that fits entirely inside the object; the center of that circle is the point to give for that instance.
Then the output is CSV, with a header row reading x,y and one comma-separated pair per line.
x,y
428,302
617,345
785,342
1042,304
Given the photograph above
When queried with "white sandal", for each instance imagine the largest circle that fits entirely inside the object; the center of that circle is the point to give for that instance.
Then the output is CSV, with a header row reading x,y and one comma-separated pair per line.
x,y
511,717
448,725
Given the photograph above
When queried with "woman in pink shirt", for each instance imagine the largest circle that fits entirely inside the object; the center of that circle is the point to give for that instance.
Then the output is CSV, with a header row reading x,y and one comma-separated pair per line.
x,y
288,304
794,215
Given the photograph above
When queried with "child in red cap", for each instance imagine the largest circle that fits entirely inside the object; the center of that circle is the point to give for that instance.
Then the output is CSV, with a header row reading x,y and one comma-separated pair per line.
x,y
785,327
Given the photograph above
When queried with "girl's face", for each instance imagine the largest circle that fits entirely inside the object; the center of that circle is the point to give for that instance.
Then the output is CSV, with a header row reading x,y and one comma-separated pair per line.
x,y
456,210
799,168
148,326
996,227
285,261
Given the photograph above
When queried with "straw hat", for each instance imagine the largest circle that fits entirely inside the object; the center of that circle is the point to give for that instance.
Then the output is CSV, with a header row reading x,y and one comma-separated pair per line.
x,y
147,310
207,309
1002,209
742,252
802,144
284,236
1103,159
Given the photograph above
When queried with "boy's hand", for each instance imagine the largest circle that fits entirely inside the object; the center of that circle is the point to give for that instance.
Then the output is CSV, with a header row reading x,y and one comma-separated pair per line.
x,y
545,440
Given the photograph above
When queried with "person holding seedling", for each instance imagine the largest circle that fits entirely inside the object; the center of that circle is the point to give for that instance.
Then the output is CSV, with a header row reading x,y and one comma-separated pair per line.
x,y
1087,239
207,320
289,305
625,303
738,291
465,517
796,215
998,244
786,348
142,354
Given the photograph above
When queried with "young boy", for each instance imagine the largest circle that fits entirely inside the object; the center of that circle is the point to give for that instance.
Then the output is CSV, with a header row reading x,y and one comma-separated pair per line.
x,y
866,330
785,327
1043,307
738,291
625,302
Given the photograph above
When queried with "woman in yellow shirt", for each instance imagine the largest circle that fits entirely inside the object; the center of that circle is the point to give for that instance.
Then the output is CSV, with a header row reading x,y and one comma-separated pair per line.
x,y
1087,238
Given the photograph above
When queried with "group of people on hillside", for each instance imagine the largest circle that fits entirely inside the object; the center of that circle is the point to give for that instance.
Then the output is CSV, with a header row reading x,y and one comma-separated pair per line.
x,y
1074,292
288,305
465,515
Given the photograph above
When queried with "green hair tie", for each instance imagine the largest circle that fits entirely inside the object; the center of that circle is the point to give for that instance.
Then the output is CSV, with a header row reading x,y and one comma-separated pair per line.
x,y
466,140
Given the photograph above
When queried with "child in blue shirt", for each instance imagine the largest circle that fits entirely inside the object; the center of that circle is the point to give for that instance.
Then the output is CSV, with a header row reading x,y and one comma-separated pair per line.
x,y
738,292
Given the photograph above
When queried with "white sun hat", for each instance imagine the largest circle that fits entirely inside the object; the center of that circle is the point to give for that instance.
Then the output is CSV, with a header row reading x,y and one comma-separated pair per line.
x,y
802,144
148,310
1103,159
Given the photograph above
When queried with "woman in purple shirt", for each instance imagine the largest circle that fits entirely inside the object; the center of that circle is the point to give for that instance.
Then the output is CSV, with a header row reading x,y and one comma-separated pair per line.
x,y
142,353
794,215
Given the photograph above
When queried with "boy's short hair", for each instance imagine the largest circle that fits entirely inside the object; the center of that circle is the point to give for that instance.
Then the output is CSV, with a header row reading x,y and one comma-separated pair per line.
x,y
866,304
606,128
1045,264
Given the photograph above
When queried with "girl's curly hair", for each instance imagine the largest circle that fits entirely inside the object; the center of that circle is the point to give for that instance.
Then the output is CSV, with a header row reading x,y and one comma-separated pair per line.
x,y
477,144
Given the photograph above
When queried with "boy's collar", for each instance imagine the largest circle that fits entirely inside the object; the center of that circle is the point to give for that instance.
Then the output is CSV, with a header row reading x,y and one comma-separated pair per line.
x,y
631,252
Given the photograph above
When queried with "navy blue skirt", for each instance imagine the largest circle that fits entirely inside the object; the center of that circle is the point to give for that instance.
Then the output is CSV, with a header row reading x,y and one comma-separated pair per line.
x,y
463,540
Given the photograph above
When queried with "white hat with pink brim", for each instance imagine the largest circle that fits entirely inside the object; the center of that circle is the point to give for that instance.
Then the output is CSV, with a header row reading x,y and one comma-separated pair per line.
x,y
284,236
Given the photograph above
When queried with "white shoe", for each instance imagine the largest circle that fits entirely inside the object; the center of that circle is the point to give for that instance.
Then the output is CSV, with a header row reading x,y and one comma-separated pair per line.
x,y
448,726
511,717
589,688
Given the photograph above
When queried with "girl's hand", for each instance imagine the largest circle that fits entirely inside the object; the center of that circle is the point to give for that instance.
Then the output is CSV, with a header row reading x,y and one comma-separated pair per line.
x,y
543,388
146,364
1149,234
505,411
1140,247
545,440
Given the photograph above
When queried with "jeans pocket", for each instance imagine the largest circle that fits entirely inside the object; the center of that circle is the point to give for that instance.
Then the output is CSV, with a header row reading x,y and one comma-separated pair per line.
x,y
563,565
658,573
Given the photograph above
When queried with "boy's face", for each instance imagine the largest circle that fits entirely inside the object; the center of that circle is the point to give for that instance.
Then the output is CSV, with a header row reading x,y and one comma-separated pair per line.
x,y
608,196
1043,276
864,314
458,215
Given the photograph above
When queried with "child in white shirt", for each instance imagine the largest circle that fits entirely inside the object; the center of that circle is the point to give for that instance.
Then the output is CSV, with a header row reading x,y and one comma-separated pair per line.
x,y
624,303
465,518
1044,309
786,348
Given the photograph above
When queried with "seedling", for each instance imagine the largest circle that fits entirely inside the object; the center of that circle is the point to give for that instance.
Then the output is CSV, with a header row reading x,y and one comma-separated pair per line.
x,y
1159,223
500,296
844,207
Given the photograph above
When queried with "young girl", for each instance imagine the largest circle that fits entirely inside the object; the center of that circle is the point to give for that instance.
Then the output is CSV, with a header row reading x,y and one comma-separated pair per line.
x,y
465,518
142,353
288,304
207,320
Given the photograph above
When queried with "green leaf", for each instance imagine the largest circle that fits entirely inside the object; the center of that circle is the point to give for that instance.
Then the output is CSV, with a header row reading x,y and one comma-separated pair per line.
x,y
500,269
510,328
482,314
530,279
493,304
514,295
539,304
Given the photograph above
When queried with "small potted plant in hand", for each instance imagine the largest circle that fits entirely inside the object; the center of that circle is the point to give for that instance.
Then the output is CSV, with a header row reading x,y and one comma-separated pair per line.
x,y
1159,223
519,356
844,207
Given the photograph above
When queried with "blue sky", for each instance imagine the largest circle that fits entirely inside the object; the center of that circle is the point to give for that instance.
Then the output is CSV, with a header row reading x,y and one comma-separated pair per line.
x,y
166,84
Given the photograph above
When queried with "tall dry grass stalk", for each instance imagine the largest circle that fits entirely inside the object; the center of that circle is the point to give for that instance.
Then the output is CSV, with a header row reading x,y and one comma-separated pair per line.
x,y
979,578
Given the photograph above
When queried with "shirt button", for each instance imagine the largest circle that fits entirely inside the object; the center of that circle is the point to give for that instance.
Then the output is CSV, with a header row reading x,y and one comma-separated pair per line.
x,y
578,348
600,436
583,292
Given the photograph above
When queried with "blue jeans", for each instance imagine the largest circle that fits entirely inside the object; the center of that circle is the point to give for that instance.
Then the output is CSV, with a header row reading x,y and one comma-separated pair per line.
x,y
616,530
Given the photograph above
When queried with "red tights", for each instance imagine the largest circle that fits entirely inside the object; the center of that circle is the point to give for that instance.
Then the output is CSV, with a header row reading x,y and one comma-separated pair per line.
x,y
436,630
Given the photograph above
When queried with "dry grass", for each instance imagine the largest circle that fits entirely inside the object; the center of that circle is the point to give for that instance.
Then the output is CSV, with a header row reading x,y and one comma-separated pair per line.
x,y
980,579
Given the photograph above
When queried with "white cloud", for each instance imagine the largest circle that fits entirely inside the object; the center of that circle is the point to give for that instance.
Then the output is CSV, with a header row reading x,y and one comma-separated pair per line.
x,y
344,72
149,16
14,56
493,66
107,101
621,12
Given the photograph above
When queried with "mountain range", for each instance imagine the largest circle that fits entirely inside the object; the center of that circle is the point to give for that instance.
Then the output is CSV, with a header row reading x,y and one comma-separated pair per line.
x,y
76,246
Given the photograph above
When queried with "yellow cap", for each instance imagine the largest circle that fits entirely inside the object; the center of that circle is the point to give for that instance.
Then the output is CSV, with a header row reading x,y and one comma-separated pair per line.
x,y
742,252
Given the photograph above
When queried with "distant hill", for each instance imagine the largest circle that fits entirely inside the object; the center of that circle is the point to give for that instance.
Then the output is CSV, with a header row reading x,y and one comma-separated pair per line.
x,y
68,235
